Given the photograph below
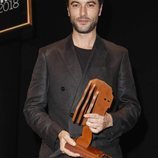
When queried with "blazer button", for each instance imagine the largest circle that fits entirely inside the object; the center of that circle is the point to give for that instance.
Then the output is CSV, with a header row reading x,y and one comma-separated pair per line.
x,y
62,88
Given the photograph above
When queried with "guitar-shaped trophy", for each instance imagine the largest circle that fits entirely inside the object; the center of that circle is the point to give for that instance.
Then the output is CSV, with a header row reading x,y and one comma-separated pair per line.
x,y
97,98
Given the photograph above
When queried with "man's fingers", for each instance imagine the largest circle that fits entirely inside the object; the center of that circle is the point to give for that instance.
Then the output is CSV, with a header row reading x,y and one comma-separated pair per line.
x,y
70,153
91,115
64,137
67,151
69,140
92,124
95,122
95,130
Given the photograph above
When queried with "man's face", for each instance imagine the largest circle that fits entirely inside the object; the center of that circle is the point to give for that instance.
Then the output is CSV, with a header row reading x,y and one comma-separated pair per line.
x,y
84,14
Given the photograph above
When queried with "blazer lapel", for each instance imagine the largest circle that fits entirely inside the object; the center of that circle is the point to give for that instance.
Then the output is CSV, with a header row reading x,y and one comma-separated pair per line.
x,y
71,61
96,68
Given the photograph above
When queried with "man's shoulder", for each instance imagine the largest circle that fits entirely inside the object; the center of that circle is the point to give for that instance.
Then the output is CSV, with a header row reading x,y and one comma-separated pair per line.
x,y
59,44
114,47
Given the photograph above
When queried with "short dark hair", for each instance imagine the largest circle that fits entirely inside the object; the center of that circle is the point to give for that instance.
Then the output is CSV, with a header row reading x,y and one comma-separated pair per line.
x,y
100,2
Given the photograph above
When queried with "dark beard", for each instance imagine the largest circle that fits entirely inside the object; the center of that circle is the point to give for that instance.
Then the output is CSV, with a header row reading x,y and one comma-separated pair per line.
x,y
91,27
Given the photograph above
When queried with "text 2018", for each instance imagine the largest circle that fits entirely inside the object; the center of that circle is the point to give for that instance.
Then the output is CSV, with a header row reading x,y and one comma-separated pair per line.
x,y
8,5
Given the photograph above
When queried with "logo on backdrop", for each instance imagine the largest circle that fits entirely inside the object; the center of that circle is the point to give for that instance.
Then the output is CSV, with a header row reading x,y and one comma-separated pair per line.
x,y
8,5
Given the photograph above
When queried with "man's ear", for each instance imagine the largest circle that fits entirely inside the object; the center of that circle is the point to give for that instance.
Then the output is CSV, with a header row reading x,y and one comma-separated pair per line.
x,y
100,10
68,12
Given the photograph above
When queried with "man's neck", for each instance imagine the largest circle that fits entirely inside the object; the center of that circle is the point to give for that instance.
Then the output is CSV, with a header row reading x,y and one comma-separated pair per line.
x,y
85,41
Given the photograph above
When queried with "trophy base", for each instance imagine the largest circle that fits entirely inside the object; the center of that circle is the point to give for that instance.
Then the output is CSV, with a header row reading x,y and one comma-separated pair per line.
x,y
89,152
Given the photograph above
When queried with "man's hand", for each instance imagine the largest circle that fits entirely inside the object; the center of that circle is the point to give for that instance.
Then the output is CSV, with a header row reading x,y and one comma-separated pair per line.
x,y
64,138
97,122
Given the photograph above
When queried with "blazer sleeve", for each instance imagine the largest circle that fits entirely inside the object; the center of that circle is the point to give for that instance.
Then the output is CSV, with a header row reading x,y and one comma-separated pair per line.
x,y
127,106
36,104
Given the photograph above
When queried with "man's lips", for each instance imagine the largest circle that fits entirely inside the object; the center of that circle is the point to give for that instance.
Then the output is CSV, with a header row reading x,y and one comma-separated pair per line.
x,y
83,21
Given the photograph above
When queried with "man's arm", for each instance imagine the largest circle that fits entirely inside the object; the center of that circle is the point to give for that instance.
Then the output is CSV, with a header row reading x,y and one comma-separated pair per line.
x,y
126,103
36,104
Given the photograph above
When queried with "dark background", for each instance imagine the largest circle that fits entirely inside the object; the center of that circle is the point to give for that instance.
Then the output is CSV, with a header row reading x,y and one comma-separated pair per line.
x,y
132,24
11,9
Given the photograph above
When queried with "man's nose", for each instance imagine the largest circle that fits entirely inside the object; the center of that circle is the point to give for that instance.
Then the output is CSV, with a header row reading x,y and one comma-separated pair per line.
x,y
83,11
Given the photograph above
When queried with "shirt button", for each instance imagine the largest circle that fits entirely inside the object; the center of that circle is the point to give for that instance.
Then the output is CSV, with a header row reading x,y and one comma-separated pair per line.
x,y
62,88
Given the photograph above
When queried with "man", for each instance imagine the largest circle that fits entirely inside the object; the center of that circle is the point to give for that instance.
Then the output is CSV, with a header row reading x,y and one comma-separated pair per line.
x,y
60,76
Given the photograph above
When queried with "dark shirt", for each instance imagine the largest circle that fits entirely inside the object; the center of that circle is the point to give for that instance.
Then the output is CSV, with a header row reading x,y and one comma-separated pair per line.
x,y
83,56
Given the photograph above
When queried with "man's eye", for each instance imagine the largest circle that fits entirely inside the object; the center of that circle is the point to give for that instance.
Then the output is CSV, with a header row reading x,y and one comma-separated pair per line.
x,y
75,5
91,5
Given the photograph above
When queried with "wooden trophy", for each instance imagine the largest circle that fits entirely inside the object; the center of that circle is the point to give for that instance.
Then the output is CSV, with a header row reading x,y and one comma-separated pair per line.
x,y
97,98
